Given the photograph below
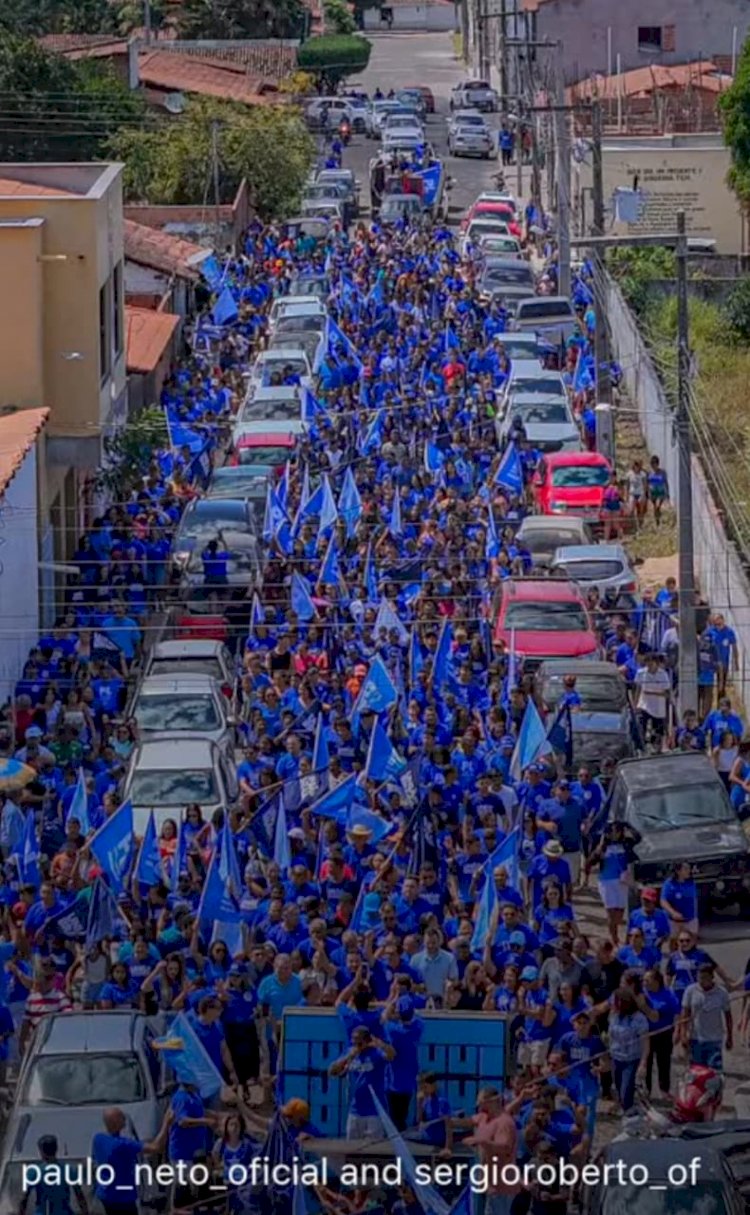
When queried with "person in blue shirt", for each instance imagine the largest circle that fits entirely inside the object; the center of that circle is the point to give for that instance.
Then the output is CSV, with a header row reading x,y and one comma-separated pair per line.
x,y
188,1124
679,901
51,1195
721,719
364,1066
689,736
683,962
739,779
404,1032
637,955
119,1196
582,1049
434,1114
206,1021
122,991
725,640
667,1005
562,816
650,918
549,863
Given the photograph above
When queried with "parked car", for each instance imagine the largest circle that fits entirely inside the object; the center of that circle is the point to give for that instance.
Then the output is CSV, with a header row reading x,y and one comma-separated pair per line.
x,y
327,112
242,481
265,449
547,618
78,1065
231,522
602,726
498,196
413,99
347,179
469,135
193,657
542,536
494,244
605,566
265,407
401,206
427,95
331,211
572,483
475,95
271,365
507,278
184,704
548,422
494,209
551,316
520,346
297,307
325,192
377,114
679,806
168,774
528,375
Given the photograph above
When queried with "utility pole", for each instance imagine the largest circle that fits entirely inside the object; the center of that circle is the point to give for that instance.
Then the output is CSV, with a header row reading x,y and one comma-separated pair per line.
x,y
504,82
601,344
147,19
688,650
562,153
217,190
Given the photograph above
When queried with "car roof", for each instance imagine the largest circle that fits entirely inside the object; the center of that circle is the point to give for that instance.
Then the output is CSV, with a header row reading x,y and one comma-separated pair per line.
x,y
175,753
266,438
277,392
536,589
665,771
555,300
176,685
193,647
80,1033
290,352
591,552
533,367
564,459
579,666
545,523
658,1155
217,508
536,398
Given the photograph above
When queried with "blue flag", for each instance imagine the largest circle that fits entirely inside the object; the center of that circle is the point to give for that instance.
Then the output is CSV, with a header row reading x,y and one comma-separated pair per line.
x,y
509,474
532,741
383,760
186,1055
372,438
350,503
180,858
335,804
104,919
431,179
560,733
336,338
330,574
229,865
396,527
113,846
493,540
328,512
441,663
433,458
311,406
360,816
148,868
321,759
79,806
378,692
225,308
71,922
211,271
505,854
428,1197
217,900
302,604
387,621
282,852
30,852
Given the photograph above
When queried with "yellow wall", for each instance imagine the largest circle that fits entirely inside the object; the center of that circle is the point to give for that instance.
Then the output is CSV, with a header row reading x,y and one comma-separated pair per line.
x,y
21,327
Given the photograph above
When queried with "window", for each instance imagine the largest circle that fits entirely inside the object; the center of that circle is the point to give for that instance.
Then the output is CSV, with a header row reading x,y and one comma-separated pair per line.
x,y
117,310
649,38
105,332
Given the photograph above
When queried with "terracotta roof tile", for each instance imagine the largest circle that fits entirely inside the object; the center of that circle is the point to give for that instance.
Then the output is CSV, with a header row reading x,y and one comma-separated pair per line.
x,y
62,43
160,250
646,80
28,189
176,72
147,335
18,433
271,61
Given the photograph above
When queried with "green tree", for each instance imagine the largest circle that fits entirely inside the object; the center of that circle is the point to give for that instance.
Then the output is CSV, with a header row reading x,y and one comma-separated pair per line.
x,y
57,110
268,146
339,19
129,15
228,19
128,453
333,57
33,17
735,109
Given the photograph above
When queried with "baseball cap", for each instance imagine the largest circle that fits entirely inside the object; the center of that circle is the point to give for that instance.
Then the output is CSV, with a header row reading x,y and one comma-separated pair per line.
x,y
516,938
296,833
650,894
563,783
529,974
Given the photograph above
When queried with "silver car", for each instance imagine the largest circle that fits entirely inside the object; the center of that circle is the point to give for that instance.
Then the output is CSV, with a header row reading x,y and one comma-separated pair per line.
x,y
543,535
184,704
79,1064
606,566
193,656
168,774
547,421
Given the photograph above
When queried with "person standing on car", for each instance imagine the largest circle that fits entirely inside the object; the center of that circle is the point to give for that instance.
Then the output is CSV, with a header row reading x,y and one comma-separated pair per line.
x,y
48,1196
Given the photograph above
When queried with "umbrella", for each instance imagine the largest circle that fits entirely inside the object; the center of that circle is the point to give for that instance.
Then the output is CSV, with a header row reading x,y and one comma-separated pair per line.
x,y
14,775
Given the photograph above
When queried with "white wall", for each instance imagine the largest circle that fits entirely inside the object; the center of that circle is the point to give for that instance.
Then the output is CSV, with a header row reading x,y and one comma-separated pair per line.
x,y
19,573
721,577
416,16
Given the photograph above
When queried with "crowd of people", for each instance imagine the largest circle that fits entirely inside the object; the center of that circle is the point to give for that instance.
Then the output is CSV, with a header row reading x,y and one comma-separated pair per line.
x,y
386,856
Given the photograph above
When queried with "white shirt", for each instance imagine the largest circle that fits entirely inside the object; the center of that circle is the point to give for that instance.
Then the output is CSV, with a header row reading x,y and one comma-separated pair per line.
x,y
649,685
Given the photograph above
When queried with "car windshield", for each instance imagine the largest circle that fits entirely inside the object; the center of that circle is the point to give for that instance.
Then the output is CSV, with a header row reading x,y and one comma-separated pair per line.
x,y
83,1079
471,120
539,309
539,541
682,805
399,206
598,693
272,456
543,413
209,527
546,617
291,323
703,1198
296,341
282,365
309,286
269,411
549,385
169,712
591,571
516,348
186,666
580,476
507,274
154,788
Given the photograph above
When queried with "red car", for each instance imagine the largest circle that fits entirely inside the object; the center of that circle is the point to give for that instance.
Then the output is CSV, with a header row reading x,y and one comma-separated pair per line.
x,y
572,483
428,97
493,210
270,450
543,618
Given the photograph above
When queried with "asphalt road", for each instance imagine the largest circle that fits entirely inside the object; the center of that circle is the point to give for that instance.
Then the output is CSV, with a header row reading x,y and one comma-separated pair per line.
x,y
399,60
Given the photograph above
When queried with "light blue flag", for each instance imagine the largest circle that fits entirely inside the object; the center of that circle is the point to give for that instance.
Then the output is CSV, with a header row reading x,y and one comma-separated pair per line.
x,y
583,377
302,604
312,507
451,341
30,852
330,574
371,440
113,844
257,614
532,741
321,758
229,865
225,309
335,804
185,1053
148,869
304,496
282,852
370,577
396,527
79,806
267,531
211,271
383,760
217,901
378,692
311,406
350,503
505,854
360,816
509,474
328,512
232,936
433,458
179,860
441,662
428,1197
387,620
493,540
336,337
104,921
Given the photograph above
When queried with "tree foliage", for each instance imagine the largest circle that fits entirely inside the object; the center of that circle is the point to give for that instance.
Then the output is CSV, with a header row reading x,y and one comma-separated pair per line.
x,y
227,19
635,268
58,110
269,146
332,57
338,17
128,452
735,109
737,309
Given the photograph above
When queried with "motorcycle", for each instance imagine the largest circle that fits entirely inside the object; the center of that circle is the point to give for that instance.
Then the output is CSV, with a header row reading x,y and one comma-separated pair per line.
x,y
499,180
698,1099
345,133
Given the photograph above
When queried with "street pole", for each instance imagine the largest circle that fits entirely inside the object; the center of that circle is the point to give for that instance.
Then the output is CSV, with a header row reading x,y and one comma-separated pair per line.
x,y
687,599
147,19
217,190
562,151
601,352
504,85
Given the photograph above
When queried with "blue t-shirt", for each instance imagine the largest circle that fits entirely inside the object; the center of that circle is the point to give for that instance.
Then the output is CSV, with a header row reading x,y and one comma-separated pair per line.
x,y
121,1155
184,1142
403,1070
654,927
682,896
580,1052
667,1004
211,1038
366,1071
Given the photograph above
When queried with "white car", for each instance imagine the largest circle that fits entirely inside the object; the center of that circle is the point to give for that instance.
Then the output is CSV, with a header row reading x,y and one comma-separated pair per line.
x,y
486,225
168,774
528,375
547,421
403,142
297,306
184,704
377,115
271,364
267,409
399,121
496,244
313,342
493,196
476,94
469,139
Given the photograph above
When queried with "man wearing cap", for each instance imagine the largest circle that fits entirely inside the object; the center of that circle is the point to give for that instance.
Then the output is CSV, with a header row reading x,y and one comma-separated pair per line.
x,y
403,1030
536,1035
534,790
562,816
652,921
549,863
